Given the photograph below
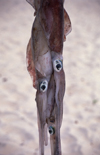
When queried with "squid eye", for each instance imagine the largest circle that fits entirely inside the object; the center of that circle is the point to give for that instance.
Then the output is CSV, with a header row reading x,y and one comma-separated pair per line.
x,y
51,130
43,86
57,65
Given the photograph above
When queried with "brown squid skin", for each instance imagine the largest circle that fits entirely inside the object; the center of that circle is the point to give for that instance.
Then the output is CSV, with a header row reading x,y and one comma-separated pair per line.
x,y
51,17
44,50
41,100
59,78
43,70
30,64
43,65
55,118
35,4
67,24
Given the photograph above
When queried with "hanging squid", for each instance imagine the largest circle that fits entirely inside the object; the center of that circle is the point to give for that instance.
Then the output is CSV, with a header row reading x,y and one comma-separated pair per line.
x,y
45,66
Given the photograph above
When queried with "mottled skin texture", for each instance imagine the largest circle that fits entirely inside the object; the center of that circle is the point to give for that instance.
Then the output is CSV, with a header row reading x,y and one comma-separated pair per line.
x,y
52,20
45,63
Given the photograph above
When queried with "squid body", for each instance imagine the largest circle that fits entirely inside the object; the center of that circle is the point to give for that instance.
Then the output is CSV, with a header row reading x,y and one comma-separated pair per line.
x,y
45,65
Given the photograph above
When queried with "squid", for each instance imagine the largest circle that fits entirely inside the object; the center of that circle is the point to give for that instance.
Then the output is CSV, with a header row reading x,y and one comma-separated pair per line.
x,y
45,66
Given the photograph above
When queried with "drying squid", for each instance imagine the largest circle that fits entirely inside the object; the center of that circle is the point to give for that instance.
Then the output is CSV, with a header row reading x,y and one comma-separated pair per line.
x,y
45,65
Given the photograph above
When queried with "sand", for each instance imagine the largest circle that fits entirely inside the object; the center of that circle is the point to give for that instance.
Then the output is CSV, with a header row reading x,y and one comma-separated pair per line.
x,y
80,132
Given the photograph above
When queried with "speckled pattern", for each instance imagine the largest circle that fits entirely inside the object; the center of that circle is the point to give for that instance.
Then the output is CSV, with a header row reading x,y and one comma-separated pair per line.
x,y
80,132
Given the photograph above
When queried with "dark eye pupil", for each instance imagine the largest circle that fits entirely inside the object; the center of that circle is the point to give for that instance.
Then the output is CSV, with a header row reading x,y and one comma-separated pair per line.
x,y
43,87
50,131
58,66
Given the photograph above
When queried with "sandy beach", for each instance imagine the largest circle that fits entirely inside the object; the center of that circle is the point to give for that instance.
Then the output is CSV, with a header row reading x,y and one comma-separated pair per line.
x,y
80,131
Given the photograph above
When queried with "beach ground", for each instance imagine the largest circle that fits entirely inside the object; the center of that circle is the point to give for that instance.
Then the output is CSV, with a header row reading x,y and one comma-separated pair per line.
x,y
80,132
